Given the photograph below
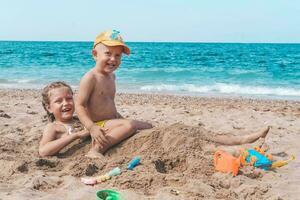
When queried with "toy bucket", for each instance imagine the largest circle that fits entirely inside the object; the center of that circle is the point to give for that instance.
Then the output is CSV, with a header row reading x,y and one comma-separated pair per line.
x,y
225,162
107,195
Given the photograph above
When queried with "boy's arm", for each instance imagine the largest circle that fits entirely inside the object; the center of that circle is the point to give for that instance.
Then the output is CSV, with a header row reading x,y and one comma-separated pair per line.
x,y
85,89
49,145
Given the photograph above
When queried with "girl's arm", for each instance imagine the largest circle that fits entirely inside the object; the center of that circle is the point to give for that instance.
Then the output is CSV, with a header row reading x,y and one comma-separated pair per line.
x,y
49,145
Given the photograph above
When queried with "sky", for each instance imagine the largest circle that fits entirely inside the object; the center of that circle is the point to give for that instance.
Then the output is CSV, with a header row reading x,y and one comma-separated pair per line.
x,y
246,21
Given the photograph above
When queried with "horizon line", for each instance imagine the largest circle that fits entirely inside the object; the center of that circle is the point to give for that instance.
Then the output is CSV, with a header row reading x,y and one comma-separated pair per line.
x,y
212,42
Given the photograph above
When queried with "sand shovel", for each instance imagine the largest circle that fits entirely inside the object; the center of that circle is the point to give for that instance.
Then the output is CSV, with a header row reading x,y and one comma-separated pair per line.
x,y
282,163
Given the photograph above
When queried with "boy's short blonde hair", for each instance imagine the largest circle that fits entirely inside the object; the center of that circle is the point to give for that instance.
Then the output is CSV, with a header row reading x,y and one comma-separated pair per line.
x,y
111,38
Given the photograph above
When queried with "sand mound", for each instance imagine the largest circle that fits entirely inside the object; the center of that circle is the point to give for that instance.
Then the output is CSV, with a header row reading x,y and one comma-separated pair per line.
x,y
172,159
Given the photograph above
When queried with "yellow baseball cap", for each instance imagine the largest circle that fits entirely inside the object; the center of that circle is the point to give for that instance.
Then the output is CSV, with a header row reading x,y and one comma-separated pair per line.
x,y
111,38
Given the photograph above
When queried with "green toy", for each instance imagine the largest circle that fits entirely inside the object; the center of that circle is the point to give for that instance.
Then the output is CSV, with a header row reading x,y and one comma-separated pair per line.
x,y
107,195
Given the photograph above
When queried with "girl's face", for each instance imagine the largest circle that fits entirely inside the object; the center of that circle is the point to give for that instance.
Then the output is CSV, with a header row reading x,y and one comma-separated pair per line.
x,y
61,104
107,58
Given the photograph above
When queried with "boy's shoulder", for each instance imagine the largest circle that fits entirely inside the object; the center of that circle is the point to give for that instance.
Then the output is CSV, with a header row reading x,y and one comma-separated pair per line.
x,y
89,74
88,77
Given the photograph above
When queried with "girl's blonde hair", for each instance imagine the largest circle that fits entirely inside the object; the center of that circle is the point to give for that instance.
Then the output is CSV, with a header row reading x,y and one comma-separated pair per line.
x,y
46,96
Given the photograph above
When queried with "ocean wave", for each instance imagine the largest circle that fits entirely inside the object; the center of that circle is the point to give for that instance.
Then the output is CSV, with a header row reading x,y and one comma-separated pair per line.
x,y
156,69
48,54
6,52
28,85
171,69
16,81
222,88
244,71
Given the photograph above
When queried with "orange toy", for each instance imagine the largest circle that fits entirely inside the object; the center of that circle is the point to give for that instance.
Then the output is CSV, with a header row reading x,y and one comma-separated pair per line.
x,y
225,162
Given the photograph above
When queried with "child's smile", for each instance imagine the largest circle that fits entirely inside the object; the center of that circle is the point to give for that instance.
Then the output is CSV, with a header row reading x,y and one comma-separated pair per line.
x,y
111,67
61,104
108,58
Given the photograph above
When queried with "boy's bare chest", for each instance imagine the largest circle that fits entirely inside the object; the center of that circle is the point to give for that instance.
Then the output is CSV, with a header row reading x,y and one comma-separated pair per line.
x,y
105,88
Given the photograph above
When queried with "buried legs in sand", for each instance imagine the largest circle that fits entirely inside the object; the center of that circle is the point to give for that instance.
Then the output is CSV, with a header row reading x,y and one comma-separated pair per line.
x,y
116,130
233,144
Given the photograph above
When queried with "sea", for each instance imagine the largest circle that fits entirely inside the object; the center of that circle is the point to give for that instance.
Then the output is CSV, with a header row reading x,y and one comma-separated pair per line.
x,y
252,70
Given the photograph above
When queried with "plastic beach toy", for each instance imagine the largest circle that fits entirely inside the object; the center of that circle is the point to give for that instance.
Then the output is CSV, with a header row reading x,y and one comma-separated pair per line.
x,y
94,180
114,172
255,158
282,163
134,162
89,181
107,195
102,178
225,162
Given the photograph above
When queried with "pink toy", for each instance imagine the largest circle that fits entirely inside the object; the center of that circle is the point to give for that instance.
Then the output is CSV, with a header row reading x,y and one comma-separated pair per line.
x,y
89,181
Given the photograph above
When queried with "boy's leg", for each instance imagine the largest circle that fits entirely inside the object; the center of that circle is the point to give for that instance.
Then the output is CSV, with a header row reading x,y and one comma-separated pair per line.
x,y
136,124
117,131
97,150
140,125
238,140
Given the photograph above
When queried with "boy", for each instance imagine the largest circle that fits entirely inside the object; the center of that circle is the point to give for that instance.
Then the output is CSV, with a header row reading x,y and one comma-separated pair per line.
x,y
95,104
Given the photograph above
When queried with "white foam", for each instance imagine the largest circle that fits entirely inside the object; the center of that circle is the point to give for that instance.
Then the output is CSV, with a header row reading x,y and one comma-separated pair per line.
x,y
23,80
222,88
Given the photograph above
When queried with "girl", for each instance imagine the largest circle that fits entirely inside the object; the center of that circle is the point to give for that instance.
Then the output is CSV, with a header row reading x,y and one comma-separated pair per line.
x,y
63,128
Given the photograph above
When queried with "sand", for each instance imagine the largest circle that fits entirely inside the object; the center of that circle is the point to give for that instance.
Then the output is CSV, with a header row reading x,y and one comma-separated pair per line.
x,y
174,164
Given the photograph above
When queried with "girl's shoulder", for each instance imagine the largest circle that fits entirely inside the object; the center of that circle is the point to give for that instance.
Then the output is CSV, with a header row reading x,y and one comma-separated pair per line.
x,y
51,125
54,127
59,127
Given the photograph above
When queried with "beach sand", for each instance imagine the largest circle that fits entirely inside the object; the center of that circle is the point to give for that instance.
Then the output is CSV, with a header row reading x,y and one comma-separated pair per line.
x,y
174,164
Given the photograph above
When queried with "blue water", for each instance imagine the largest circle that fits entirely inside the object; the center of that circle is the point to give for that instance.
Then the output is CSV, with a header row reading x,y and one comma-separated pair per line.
x,y
249,70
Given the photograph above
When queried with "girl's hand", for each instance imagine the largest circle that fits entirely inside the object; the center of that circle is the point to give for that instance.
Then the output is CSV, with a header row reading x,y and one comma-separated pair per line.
x,y
82,134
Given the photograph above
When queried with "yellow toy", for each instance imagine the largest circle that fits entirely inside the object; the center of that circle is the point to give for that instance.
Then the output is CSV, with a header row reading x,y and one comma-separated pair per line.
x,y
281,163
102,178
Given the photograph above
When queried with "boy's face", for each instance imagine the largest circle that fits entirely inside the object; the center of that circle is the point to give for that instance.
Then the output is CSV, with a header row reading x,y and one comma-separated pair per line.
x,y
107,58
61,104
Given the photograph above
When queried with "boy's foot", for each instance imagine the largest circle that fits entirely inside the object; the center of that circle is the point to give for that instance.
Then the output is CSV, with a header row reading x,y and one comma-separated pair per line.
x,y
95,154
265,132
139,125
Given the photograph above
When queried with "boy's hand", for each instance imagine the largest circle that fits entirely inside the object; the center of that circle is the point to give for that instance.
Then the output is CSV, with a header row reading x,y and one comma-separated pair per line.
x,y
98,134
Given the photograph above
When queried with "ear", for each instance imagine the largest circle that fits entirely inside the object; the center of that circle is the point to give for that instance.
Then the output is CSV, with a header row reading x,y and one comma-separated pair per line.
x,y
48,108
94,53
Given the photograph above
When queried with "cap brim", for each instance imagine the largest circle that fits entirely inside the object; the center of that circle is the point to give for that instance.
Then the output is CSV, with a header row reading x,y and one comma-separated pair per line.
x,y
126,50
